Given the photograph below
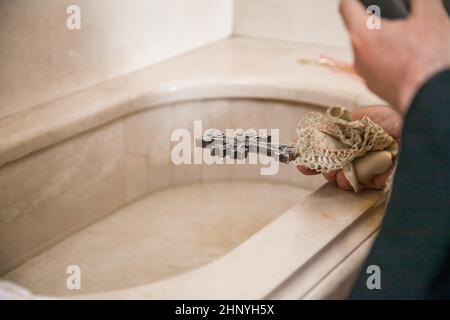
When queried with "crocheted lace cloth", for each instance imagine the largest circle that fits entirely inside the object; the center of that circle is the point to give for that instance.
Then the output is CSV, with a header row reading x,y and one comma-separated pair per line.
x,y
328,142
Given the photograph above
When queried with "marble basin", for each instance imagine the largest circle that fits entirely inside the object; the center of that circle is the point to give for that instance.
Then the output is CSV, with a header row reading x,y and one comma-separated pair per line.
x,y
87,181
172,219
158,237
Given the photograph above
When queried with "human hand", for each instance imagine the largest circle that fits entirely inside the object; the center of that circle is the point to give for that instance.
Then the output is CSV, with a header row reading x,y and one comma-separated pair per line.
x,y
391,122
398,58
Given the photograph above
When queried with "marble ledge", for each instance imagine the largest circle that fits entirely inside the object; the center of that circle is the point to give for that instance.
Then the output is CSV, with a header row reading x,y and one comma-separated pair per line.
x,y
306,234
232,68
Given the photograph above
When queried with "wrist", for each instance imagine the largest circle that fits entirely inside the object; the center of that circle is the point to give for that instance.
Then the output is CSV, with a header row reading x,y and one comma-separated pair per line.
x,y
412,84
406,93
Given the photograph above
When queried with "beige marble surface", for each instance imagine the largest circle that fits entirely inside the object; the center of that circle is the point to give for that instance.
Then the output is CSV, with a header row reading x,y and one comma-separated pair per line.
x,y
305,21
338,283
54,192
158,237
268,259
73,161
236,67
41,59
331,272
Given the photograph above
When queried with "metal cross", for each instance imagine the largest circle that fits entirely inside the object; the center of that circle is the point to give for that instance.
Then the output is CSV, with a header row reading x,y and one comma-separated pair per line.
x,y
243,143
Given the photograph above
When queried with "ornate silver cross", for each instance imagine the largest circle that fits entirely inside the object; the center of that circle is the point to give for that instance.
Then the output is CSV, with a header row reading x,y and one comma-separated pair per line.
x,y
243,143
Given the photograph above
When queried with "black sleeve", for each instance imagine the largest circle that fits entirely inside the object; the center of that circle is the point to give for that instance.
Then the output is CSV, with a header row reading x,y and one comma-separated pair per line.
x,y
413,247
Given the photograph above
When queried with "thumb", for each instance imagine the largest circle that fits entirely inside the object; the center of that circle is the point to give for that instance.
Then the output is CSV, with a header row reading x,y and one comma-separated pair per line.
x,y
354,16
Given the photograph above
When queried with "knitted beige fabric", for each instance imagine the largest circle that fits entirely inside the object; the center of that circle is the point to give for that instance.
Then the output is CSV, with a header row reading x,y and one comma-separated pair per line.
x,y
331,141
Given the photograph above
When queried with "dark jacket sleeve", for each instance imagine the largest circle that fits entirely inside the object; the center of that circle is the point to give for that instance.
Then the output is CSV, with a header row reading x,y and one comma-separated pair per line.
x,y
413,247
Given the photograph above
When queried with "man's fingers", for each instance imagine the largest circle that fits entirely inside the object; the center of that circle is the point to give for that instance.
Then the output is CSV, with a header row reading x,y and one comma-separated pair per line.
x,y
342,181
381,180
331,176
338,177
384,116
307,171
354,15
423,8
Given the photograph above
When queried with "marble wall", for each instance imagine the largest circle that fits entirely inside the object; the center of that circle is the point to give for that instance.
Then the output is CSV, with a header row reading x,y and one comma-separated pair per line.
x,y
41,59
308,21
